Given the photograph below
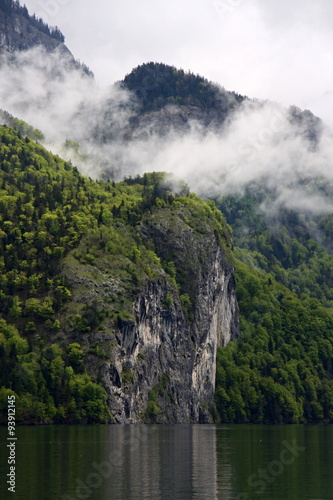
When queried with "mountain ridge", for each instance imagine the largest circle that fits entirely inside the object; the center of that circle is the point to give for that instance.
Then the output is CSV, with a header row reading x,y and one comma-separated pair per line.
x,y
20,31
135,280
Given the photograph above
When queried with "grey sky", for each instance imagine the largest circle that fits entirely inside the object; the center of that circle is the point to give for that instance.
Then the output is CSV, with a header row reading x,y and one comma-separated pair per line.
x,y
275,49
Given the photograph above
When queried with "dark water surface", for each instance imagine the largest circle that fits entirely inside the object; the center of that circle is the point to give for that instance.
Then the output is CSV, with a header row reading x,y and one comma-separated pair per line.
x,y
180,462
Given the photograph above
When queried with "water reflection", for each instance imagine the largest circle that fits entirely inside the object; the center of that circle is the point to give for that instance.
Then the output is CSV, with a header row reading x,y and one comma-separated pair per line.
x,y
204,469
180,462
164,462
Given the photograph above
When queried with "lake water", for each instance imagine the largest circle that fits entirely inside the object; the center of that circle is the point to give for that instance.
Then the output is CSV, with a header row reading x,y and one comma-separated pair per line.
x,y
179,462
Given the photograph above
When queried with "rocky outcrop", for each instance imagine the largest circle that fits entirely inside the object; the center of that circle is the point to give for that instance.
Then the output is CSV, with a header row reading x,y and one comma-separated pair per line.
x,y
17,33
174,119
20,32
171,356
160,366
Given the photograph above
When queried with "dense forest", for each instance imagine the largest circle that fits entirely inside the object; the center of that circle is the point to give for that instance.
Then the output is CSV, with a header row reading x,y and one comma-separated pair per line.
x,y
280,371
157,85
53,216
50,380
21,126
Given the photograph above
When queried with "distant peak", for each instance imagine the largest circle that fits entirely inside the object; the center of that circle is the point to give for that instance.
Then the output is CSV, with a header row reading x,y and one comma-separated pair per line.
x,y
158,84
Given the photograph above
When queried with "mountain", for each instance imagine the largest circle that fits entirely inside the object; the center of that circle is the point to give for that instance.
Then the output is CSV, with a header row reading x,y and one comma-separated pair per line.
x,y
167,109
171,98
110,293
20,31
118,299
137,300
165,100
280,369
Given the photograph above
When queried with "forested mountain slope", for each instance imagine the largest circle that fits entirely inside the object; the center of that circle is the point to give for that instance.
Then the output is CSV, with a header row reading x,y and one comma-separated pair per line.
x,y
79,261
281,368
114,297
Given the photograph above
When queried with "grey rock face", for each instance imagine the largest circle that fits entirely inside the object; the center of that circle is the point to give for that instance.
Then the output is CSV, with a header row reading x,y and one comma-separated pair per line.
x,y
163,369
159,364
17,34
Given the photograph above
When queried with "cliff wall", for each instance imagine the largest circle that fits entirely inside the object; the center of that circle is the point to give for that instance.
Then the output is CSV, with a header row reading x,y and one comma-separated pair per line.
x,y
161,362
17,33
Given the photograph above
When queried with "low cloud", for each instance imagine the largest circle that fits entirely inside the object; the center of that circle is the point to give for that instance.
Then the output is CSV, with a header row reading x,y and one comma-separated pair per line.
x,y
260,142
51,93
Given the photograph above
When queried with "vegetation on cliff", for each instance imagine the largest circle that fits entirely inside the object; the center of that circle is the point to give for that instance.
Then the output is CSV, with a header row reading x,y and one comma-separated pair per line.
x,y
280,369
74,254
53,218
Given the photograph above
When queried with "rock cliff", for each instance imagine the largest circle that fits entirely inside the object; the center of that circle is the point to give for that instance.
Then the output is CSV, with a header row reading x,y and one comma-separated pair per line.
x,y
159,365
18,31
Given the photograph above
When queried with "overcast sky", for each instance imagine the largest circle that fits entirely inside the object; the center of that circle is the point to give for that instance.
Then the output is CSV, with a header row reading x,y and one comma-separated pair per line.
x,y
275,49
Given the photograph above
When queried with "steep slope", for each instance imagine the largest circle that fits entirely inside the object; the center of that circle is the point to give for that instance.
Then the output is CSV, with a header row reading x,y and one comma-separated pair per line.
x,y
167,99
130,287
20,31
172,115
294,245
21,126
281,369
